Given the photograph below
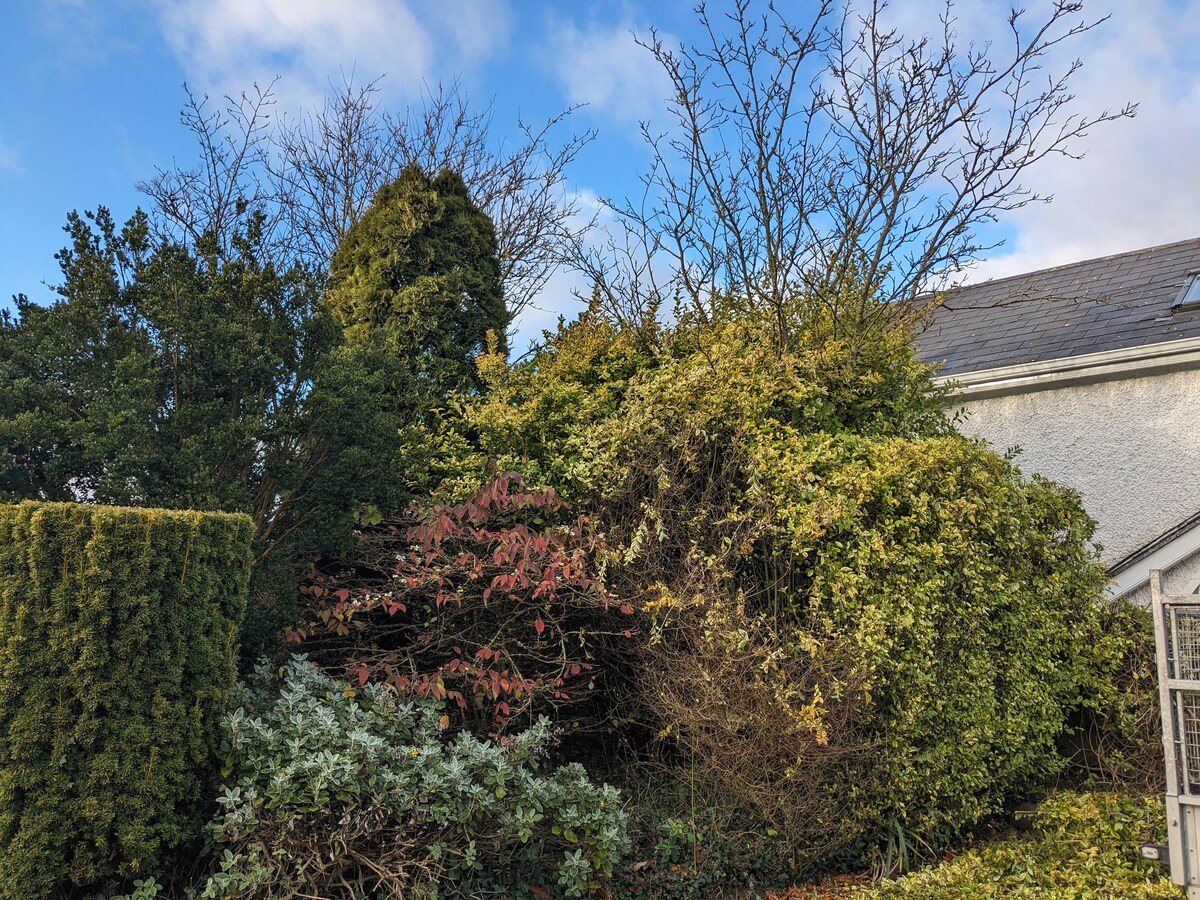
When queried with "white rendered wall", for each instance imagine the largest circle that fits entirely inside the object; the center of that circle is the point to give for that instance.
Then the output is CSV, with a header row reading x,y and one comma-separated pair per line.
x,y
1131,448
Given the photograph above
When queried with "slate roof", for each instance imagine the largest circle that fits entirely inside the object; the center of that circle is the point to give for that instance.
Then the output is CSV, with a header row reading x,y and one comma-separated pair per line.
x,y
1110,303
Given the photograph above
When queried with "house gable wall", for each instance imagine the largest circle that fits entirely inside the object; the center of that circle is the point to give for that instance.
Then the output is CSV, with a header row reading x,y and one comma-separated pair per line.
x,y
1130,447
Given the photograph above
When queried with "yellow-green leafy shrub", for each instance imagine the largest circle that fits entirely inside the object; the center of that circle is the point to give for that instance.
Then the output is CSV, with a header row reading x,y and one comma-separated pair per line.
x,y
971,599
1118,741
856,623
118,631
1085,848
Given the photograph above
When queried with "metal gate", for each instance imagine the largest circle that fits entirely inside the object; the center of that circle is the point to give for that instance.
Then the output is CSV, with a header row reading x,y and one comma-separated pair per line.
x,y
1177,639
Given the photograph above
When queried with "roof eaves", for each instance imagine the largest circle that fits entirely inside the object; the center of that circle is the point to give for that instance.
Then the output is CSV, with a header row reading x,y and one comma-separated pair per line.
x,y
1089,368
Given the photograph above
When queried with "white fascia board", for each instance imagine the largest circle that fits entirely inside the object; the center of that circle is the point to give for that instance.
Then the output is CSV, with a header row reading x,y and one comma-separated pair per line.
x,y
1087,368
1166,557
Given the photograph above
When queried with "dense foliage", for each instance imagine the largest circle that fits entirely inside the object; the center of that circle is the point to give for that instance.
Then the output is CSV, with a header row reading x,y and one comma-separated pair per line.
x,y
490,604
353,791
118,640
856,621
158,377
1117,739
198,376
1082,850
166,378
564,414
419,273
742,558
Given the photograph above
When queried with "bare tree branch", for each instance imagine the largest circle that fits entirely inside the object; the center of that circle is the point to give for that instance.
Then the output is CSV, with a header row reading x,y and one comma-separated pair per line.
x,y
311,178
837,168
205,205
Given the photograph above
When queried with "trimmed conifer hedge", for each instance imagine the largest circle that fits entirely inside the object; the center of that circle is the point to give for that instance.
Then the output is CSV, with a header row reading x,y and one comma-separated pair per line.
x,y
118,640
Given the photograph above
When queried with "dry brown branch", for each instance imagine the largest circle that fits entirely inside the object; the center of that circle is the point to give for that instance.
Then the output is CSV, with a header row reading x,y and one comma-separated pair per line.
x,y
331,854
770,732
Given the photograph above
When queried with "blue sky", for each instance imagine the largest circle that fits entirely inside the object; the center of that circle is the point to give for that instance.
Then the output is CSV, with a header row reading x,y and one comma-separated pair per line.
x,y
91,92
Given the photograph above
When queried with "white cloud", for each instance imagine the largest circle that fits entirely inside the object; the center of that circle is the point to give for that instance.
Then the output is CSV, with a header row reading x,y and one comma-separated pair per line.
x,y
226,45
1139,182
605,68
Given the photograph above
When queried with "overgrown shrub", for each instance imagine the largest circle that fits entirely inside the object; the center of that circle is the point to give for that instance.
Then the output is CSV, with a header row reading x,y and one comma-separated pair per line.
x,y
118,640
893,642
336,789
565,416
539,413
859,624
1117,740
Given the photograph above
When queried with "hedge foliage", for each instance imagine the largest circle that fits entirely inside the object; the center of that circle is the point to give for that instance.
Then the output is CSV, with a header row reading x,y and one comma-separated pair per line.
x,y
1083,849
118,634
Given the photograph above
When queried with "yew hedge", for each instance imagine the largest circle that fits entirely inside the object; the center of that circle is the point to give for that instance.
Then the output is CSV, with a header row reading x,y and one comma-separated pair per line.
x,y
118,634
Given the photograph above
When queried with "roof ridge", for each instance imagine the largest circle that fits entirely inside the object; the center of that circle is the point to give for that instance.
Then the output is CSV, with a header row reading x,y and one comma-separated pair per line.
x,y
1071,265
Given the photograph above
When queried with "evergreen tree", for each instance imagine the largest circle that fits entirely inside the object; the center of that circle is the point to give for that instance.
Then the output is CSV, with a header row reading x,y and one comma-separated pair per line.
x,y
175,378
420,276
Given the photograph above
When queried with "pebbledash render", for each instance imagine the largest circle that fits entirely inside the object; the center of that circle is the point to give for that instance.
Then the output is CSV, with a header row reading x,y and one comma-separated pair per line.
x,y
1093,370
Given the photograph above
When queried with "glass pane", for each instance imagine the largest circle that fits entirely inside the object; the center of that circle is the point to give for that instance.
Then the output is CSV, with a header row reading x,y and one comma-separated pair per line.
x,y
1193,292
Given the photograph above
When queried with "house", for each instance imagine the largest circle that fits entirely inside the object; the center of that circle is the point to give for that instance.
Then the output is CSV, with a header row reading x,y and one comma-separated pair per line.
x,y
1093,370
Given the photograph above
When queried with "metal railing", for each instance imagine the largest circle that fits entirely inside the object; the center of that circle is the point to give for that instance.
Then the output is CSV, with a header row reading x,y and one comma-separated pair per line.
x,y
1177,643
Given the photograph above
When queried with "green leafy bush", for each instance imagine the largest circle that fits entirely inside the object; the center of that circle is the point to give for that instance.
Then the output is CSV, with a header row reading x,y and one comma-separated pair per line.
x,y
856,623
889,637
1085,848
1117,740
118,639
333,788
420,270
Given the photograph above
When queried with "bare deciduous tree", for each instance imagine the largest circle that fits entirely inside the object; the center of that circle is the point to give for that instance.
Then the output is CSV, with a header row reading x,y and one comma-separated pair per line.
x,y
834,167
208,202
314,176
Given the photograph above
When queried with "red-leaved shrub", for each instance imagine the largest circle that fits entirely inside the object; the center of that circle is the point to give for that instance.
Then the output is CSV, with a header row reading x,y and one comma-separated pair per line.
x,y
490,604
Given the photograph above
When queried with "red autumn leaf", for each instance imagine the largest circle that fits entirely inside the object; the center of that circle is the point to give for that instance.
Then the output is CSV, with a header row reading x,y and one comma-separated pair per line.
x,y
539,626
363,673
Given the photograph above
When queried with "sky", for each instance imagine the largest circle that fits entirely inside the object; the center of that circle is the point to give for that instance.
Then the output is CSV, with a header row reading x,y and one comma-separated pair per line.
x,y
91,90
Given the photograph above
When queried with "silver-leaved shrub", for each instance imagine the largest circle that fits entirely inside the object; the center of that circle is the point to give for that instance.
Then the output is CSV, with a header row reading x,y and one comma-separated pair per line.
x,y
335,788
